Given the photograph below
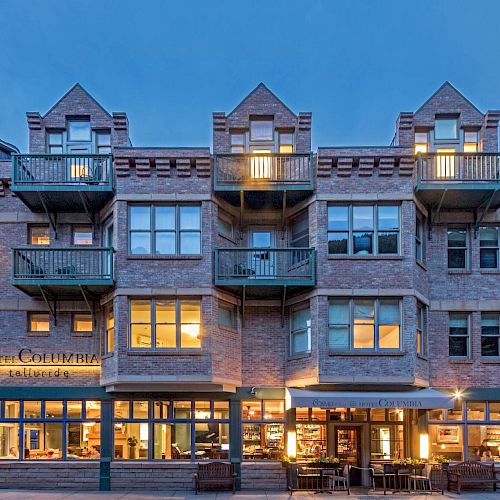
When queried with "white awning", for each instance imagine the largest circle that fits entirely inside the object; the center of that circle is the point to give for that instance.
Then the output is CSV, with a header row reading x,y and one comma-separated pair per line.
x,y
420,399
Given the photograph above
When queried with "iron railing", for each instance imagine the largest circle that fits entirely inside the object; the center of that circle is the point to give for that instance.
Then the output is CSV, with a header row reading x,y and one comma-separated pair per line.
x,y
256,266
69,263
62,170
240,169
459,167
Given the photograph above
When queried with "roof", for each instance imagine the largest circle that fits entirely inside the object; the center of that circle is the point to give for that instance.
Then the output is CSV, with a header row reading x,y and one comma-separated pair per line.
x,y
9,147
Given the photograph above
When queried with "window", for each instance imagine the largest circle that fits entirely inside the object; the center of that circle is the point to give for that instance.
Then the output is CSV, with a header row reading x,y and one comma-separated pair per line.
x,y
109,337
225,227
470,142
363,230
237,143
420,239
103,143
387,442
81,323
165,324
421,330
82,235
165,230
299,230
39,235
459,335
490,334
421,142
228,315
79,131
488,242
364,324
300,335
55,143
261,129
39,322
445,128
457,248
286,142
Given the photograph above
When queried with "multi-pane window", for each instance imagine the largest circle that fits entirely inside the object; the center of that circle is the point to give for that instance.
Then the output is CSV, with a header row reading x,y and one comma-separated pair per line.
x,y
165,230
490,334
300,331
103,143
79,131
237,143
471,140
55,143
165,324
82,235
286,142
489,245
109,337
421,330
457,248
364,324
39,322
228,315
445,128
420,240
81,323
261,129
421,142
39,235
459,342
363,230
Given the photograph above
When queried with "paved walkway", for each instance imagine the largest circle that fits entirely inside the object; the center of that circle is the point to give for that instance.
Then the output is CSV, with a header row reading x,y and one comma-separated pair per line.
x,y
356,494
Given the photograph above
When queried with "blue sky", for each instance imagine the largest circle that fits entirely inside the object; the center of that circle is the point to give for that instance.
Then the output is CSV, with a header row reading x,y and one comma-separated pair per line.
x,y
354,63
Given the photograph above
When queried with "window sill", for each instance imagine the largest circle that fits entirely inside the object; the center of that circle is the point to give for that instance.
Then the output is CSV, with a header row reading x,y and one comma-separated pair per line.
x,y
459,271
421,264
226,237
228,329
302,355
184,352
489,271
492,361
38,334
108,355
164,257
422,357
365,257
461,361
367,353
81,334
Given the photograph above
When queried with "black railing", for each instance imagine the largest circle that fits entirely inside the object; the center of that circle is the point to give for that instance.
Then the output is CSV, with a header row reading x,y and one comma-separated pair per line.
x,y
459,167
62,170
293,169
258,265
35,263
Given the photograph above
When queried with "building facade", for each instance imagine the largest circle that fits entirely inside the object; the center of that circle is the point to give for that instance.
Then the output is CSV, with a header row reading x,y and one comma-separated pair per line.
x,y
165,306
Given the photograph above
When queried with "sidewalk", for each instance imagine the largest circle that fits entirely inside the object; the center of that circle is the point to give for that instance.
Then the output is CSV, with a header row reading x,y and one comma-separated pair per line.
x,y
356,494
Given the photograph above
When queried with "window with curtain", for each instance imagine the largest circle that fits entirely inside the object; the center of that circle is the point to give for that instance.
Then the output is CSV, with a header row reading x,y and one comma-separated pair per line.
x,y
489,245
459,344
457,248
490,335
300,334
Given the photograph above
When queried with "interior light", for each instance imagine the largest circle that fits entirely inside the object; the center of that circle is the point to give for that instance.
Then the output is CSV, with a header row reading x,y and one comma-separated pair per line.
x,y
424,445
193,330
291,444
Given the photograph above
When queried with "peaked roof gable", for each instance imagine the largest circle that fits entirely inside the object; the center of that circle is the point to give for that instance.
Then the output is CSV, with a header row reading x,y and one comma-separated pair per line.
x,y
259,94
447,99
7,146
77,89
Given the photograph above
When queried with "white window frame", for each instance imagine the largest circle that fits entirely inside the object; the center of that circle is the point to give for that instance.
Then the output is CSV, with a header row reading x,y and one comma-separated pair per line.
x,y
293,332
468,315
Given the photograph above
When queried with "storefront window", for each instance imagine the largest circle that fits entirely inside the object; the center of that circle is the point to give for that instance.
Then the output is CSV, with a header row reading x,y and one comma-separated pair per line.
x,y
12,409
387,442
93,409
161,409
311,440
318,414
301,414
252,410
140,409
74,409
202,410
221,409
172,441
53,409
359,415
483,442
436,414
122,409
395,415
131,440
377,415
32,409
9,440
274,410
446,440
83,440
494,411
475,410
43,440
182,409
456,412
212,441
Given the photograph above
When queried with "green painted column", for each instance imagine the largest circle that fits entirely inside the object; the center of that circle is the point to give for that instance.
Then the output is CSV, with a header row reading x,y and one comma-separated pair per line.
x,y
106,445
235,438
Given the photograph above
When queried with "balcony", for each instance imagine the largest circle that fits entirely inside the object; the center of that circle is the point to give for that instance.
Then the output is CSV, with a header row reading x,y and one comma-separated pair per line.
x,y
265,271
63,183
459,180
62,273
264,177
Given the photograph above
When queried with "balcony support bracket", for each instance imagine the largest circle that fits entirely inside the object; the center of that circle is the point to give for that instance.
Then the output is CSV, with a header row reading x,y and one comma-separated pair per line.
x,y
90,303
52,217
283,299
86,207
479,220
433,219
243,299
52,304
242,210
283,216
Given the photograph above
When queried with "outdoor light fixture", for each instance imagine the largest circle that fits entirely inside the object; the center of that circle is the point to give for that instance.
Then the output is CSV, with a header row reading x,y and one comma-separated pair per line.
x,y
291,444
458,394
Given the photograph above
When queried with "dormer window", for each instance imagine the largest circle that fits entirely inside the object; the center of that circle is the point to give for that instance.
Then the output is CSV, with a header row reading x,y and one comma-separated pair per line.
x,y
79,131
421,142
103,143
55,143
286,142
445,129
470,142
261,129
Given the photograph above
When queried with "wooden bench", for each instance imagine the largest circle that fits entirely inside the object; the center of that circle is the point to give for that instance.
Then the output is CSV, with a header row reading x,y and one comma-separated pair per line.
x,y
469,473
215,475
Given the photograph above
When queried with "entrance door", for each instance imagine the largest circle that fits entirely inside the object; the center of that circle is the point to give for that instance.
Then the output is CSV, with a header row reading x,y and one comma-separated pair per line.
x,y
348,449
262,261
79,169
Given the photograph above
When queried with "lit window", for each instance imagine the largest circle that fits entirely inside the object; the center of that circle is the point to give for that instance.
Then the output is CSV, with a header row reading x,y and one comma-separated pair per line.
x,y
286,142
421,330
261,130
489,247
237,143
300,334
445,128
490,335
103,143
55,143
39,235
471,142
82,235
79,131
457,249
445,166
109,341
82,323
421,142
39,322
459,335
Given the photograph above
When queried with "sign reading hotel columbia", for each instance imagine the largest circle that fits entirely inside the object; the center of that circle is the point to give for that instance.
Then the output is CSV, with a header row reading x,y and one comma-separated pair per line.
x,y
28,364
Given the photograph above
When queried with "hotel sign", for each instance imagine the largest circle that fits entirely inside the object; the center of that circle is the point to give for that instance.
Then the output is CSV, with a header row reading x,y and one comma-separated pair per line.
x,y
28,363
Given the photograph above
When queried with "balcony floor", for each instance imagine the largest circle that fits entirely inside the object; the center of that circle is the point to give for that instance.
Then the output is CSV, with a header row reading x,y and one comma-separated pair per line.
x,y
262,198
458,195
68,290
264,291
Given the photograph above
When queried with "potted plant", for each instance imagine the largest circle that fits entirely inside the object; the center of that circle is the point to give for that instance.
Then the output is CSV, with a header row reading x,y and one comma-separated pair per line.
x,y
326,462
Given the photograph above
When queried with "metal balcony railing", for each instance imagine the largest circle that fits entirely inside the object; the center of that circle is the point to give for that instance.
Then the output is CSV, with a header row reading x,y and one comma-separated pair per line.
x,y
265,266
83,171
459,167
90,264
290,171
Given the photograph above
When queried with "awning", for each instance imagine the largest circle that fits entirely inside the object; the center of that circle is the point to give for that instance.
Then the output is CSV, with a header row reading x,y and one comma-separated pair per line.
x,y
420,399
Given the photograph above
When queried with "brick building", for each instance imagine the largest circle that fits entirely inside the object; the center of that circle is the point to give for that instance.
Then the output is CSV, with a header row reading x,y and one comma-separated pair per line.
x,y
162,306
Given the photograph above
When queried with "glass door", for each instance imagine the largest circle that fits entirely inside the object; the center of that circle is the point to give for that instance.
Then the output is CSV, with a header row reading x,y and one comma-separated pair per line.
x,y
348,449
79,167
262,260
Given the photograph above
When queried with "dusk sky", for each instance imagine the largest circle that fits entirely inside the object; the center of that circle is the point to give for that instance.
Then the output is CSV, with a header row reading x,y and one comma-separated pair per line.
x,y
169,64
